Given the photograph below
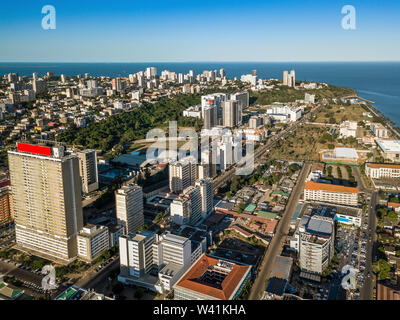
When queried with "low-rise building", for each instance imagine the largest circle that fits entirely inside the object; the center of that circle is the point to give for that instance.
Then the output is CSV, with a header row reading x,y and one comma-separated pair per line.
x,y
212,279
324,192
382,170
390,149
92,241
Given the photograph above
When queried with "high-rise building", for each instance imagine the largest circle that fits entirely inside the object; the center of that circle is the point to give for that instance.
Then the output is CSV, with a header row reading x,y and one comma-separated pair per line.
x,y
38,86
136,254
6,212
289,79
129,207
35,76
151,72
222,73
46,191
63,78
207,198
118,85
316,243
182,174
88,170
230,113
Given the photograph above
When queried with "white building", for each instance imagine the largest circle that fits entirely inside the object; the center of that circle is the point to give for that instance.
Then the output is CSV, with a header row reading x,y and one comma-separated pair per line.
x,y
316,243
92,241
281,112
129,207
324,192
382,170
182,174
348,129
379,130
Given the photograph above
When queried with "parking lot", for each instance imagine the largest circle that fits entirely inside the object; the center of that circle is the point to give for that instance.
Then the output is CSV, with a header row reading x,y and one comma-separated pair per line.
x,y
352,246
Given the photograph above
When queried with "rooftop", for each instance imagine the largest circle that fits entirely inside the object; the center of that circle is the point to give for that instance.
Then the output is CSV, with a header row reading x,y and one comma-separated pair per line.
x,y
214,277
311,185
391,146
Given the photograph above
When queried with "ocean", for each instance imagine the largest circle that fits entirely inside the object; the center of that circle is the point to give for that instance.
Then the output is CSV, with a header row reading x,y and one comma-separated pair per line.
x,y
376,81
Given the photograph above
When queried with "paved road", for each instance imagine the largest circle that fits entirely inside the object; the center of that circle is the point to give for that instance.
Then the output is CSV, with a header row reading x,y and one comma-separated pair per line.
x,y
366,291
278,240
225,177
91,278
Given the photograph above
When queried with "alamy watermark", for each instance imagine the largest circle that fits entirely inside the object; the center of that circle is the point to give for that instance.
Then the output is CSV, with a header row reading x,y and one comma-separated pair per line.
x,y
349,20
49,20
49,280
227,148
348,281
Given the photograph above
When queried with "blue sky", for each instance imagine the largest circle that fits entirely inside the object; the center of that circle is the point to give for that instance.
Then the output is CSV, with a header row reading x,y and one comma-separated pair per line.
x,y
205,30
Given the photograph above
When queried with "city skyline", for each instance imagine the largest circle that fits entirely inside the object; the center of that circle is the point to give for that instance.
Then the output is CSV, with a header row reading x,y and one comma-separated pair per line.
x,y
185,32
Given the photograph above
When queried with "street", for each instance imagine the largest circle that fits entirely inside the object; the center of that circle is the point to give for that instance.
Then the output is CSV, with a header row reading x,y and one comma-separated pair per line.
x,y
278,239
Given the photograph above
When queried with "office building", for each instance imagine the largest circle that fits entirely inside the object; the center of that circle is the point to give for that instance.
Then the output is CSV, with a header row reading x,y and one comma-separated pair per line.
x,y
212,279
92,241
129,207
155,261
88,170
46,191
325,192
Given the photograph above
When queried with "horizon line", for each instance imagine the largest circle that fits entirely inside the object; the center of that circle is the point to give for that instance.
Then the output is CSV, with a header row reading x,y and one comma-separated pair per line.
x,y
210,61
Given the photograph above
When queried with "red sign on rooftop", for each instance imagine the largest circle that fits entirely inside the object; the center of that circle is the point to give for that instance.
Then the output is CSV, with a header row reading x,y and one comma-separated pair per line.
x,y
31,148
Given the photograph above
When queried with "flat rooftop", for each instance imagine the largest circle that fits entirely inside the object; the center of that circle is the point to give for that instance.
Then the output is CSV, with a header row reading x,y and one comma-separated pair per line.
x,y
389,146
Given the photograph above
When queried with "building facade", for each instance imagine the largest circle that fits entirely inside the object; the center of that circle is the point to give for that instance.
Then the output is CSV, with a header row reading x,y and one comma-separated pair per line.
x,y
46,191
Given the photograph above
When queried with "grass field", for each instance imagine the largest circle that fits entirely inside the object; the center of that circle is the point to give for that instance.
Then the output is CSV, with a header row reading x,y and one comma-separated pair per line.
x,y
336,114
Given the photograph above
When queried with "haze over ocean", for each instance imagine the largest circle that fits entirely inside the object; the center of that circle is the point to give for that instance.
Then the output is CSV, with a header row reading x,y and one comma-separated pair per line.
x,y
377,81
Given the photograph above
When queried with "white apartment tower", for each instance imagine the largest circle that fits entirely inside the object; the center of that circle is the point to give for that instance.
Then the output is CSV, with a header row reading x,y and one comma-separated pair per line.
x,y
129,207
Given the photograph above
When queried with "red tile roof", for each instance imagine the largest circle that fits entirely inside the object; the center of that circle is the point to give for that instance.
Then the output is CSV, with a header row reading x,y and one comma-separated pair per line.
x,y
228,285
383,165
311,185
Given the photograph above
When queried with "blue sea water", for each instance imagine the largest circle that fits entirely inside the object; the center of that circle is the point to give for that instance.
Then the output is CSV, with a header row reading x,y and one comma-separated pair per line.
x,y
376,81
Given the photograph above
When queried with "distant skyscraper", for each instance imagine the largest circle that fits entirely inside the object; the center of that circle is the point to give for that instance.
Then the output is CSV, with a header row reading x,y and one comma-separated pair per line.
x,y
289,79
222,73
63,78
35,76
151,72
88,170
46,191
129,207
254,73
285,78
